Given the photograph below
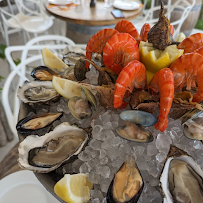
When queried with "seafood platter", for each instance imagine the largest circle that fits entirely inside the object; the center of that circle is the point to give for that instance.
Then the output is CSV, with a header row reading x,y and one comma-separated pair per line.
x,y
120,121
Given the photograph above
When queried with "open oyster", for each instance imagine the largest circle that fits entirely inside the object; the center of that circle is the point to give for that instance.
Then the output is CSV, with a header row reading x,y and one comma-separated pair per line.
x,y
134,133
182,178
127,184
37,91
46,153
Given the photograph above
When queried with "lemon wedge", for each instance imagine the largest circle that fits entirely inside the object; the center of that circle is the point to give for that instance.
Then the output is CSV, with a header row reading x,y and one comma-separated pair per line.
x,y
180,37
74,188
154,59
51,60
66,88
150,75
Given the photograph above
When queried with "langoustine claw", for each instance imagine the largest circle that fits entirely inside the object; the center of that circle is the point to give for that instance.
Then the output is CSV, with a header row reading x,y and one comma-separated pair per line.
x,y
191,43
132,75
125,26
120,50
97,43
188,71
163,82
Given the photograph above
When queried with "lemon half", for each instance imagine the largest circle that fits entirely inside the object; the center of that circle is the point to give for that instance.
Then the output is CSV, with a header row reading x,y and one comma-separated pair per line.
x,y
51,60
74,188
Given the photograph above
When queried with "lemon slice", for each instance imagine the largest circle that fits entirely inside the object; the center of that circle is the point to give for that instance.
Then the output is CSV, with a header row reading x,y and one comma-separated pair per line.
x,y
51,60
74,188
66,88
180,37
154,59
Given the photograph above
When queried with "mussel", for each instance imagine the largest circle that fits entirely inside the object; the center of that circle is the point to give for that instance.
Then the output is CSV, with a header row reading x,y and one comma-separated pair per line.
x,y
182,178
127,184
138,117
46,153
30,124
43,73
134,133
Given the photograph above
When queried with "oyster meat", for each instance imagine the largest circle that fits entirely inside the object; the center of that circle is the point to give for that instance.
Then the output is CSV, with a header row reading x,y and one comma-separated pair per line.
x,y
37,91
127,184
182,178
46,153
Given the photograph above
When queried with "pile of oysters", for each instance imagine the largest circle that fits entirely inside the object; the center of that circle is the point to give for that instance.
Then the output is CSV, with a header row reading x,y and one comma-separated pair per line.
x,y
44,148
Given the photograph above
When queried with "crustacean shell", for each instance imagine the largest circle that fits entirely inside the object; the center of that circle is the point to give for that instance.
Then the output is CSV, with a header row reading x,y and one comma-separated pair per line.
x,y
127,184
46,153
181,178
37,92
134,133
34,124
138,117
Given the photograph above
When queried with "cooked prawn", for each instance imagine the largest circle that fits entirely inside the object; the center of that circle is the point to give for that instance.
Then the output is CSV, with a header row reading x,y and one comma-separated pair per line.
x,y
163,82
97,43
120,50
188,71
125,26
143,33
132,75
191,43
172,29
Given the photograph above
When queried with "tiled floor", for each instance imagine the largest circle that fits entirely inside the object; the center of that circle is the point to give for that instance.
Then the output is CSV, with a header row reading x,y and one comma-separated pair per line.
x,y
16,39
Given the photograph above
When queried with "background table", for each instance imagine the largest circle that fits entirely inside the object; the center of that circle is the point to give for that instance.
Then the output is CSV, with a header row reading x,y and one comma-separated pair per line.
x,y
84,21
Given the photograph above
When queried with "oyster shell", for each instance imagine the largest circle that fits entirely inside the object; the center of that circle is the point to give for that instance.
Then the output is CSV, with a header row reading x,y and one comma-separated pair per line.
x,y
134,133
32,124
46,153
182,178
43,73
127,184
37,91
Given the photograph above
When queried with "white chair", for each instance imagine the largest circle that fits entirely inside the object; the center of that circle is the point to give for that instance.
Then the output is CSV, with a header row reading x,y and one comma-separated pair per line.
x,y
26,20
18,74
147,16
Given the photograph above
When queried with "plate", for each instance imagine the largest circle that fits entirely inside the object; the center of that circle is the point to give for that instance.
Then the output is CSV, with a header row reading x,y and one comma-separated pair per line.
x,y
126,5
60,2
24,187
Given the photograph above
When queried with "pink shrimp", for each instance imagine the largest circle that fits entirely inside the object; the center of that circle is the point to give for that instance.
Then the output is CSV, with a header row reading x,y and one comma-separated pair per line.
x,y
191,43
163,82
97,43
120,50
125,26
188,71
143,33
132,75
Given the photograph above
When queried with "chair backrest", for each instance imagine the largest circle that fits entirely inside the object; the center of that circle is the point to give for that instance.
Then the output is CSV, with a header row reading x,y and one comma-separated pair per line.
x,y
18,74
183,6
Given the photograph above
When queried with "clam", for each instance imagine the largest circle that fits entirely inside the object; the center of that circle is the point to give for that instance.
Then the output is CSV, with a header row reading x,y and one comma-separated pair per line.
x,y
138,117
193,128
31,124
43,73
127,184
134,133
182,178
46,153
37,91
80,70
79,108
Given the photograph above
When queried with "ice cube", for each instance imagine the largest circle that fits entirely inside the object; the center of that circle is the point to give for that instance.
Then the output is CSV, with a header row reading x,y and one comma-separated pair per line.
x,y
95,144
84,168
160,157
102,153
83,156
76,165
94,178
113,153
116,141
104,161
151,149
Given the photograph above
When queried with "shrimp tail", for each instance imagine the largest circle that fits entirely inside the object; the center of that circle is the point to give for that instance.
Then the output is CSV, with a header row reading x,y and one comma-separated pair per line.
x,y
163,82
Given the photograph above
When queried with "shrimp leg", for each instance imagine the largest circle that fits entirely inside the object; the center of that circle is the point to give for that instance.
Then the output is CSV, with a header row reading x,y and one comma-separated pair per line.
x,y
163,82
132,75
